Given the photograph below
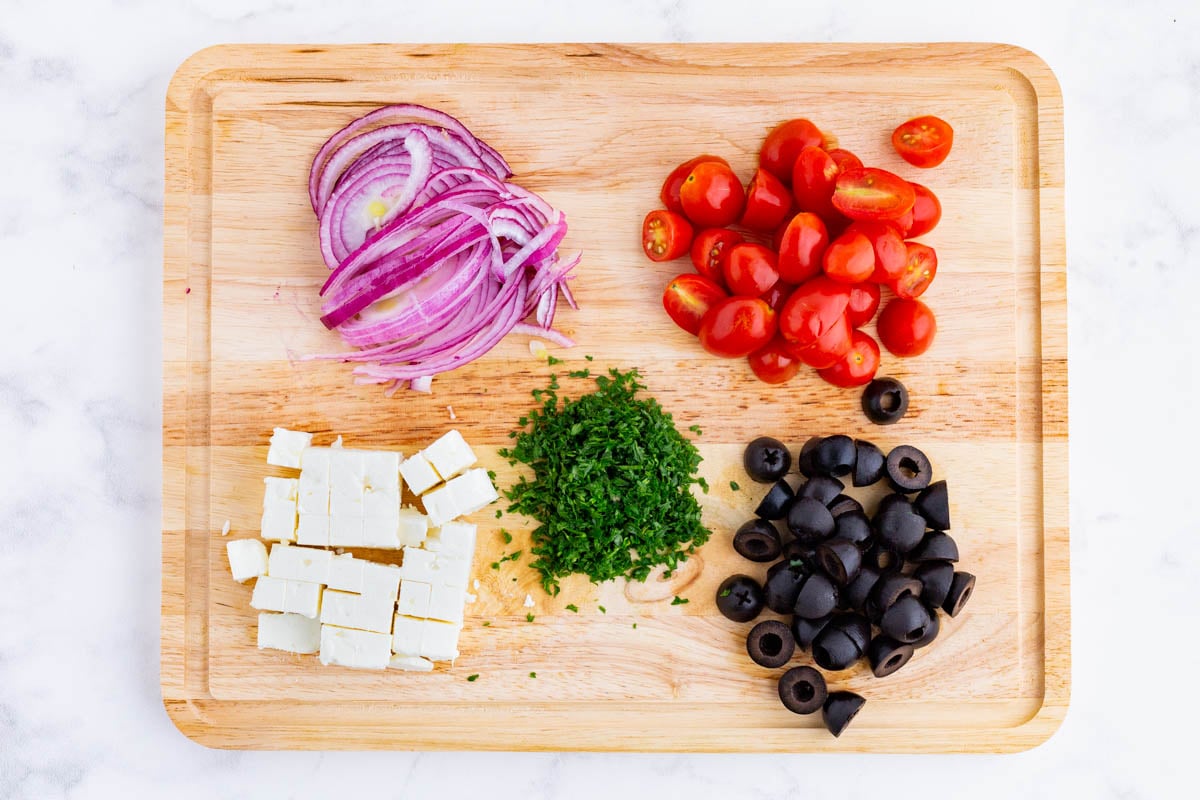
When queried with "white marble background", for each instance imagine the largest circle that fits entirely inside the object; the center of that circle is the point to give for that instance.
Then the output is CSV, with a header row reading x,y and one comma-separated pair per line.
x,y
81,113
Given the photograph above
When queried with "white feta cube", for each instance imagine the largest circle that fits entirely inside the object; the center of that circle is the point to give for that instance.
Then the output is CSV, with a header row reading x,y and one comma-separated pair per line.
x,y
346,573
313,486
446,604
346,483
413,527
313,530
439,640
406,634
440,505
452,538
382,531
299,563
472,491
414,599
364,612
418,565
345,530
381,580
247,559
378,503
451,570
278,521
449,455
286,447
289,632
419,474
280,489
268,594
302,597
357,649
381,472
411,663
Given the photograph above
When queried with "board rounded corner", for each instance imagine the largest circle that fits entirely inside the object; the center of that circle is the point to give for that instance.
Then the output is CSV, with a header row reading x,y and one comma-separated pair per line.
x,y
1035,70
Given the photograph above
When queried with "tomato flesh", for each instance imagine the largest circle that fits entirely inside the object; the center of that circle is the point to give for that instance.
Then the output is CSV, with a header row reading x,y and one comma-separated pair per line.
x,y
665,235
671,186
774,363
920,267
858,366
870,193
906,327
849,258
784,143
737,326
926,212
814,179
801,248
688,298
711,195
845,159
768,202
813,309
709,248
750,269
888,247
864,302
923,141
828,349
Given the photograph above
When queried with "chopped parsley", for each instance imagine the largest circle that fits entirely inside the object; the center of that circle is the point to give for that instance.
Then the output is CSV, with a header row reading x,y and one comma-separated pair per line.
x,y
579,373
574,609
513,556
491,473
678,601
725,593
696,430
529,617
635,626
506,536
603,610
487,624
734,485
589,358
551,360
473,678
533,674
499,513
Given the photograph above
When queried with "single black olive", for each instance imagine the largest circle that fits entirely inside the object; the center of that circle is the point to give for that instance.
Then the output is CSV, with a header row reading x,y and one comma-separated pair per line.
x,y
805,631
869,463
796,550
898,526
834,456
961,587
933,503
802,690
821,487
936,546
892,587
833,649
885,401
856,593
839,709
740,598
935,578
844,504
783,585
774,505
770,644
766,459
931,632
841,559
804,461
856,626
853,526
882,558
758,540
908,469
809,520
887,655
817,596
906,620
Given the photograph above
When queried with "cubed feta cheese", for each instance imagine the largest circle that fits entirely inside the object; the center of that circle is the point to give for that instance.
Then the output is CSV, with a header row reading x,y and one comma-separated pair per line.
x,y
247,559
299,563
268,594
382,531
313,530
418,474
290,632
313,487
347,647
414,526
411,663
381,580
279,521
439,640
345,531
446,604
472,491
414,598
302,597
452,538
418,565
406,634
280,489
452,570
364,612
346,573
286,447
381,472
378,503
440,505
346,483
449,455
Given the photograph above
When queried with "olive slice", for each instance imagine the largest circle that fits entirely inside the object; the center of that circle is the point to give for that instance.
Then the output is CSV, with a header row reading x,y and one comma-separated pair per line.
x,y
858,590
822,488
935,578
933,503
908,469
932,631
784,580
809,520
892,587
740,598
758,540
770,644
844,504
804,461
907,620
796,550
885,401
833,649
853,526
774,505
817,596
961,587
882,558
840,709
887,655
869,463
841,560
834,456
802,690
936,546
805,631
898,526
766,459
856,626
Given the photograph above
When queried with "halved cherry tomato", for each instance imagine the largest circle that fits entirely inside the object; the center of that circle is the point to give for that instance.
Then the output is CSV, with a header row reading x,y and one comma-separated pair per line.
x,y
828,349
870,193
665,235
670,189
814,179
845,159
774,363
709,248
801,247
712,196
777,295
920,267
737,326
864,302
849,258
814,307
923,141
888,245
784,143
926,212
750,269
858,366
777,236
904,222
906,327
767,202
689,297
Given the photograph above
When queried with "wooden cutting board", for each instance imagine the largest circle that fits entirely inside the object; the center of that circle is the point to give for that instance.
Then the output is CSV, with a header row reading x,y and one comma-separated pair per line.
x,y
595,128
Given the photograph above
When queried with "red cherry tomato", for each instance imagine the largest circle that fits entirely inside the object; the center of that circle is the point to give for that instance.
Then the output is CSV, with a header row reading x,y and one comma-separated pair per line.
x,y
777,295
768,201
858,366
926,212
888,246
872,194
813,308
777,236
814,179
688,298
737,326
784,143
845,159
801,248
712,196
864,302
670,189
750,269
709,248
923,141
904,222
906,327
828,349
774,363
849,258
919,270
665,235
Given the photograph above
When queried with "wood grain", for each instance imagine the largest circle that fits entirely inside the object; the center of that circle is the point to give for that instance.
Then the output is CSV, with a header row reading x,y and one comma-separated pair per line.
x,y
594,128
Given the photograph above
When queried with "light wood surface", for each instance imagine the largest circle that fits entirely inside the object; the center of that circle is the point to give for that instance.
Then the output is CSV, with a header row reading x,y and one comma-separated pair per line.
x,y
595,128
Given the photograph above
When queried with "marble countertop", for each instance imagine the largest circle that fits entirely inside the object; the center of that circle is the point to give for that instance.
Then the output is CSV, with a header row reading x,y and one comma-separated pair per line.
x,y
81,90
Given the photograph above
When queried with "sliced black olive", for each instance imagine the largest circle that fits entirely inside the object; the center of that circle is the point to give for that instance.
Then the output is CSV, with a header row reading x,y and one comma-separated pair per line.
x,y
898,526
839,709
804,462
766,459
804,631
887,655
817,596
770,644
853,526
833,649
809,520
844,504
758,540
856,626
783,585
834,456
908,469
882,558
774,505
796,550
856,593
821,487
933,503
961,587
936,546
935,578
802,690
892,587
932,631
740,598
841,559
885,401
869,463
907,620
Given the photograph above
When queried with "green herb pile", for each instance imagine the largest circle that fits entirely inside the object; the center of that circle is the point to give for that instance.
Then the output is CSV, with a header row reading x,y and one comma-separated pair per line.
x,y
612,483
